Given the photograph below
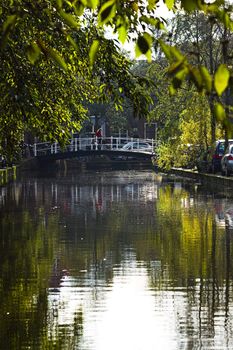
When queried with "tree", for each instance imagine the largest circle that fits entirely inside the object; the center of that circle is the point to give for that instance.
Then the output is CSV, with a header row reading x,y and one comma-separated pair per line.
x,y
183,120
47,73
206,43
193,121
69,37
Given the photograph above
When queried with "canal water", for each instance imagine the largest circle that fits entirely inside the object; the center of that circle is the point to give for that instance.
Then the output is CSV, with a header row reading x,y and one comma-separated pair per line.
x,y
115,260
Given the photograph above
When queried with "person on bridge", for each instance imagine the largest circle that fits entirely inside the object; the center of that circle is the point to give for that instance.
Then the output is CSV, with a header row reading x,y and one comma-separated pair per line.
x,y
98,135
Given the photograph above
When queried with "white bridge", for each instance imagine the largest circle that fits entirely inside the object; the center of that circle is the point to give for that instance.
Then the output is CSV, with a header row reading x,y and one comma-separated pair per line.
x,y
94,145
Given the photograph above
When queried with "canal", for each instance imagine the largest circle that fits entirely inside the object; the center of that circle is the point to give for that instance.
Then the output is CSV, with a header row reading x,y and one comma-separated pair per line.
x,y
115,260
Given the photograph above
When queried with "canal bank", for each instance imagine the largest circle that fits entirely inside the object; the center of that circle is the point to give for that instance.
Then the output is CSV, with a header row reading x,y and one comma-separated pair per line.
x,y
7,175
204,178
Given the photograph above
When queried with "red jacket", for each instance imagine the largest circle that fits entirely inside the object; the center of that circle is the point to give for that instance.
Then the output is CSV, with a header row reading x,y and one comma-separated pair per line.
x,y
98,133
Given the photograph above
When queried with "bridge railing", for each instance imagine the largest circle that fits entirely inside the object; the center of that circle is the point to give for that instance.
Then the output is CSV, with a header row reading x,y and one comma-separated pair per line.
x,y
94,143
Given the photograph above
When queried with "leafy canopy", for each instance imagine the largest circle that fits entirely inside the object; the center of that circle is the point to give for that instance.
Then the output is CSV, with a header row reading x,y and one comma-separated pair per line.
x,y
125,17
54,54
52,62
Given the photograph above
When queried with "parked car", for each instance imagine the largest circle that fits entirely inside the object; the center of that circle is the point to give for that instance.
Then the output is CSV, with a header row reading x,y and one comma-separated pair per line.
x,y
229,218
210,160
134,146
216,155
227,161
116,142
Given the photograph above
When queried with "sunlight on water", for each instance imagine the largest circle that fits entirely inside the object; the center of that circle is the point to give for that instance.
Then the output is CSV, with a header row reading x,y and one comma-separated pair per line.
x,y
124,315
130,320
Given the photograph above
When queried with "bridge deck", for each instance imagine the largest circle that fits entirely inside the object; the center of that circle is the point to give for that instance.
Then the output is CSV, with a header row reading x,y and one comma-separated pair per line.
x,y
122,148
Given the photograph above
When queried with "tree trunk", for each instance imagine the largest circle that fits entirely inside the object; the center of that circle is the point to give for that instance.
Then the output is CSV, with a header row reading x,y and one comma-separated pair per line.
x,y
213,119
211,97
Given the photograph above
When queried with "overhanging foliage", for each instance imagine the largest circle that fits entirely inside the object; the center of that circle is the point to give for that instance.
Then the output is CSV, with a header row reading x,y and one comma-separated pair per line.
x,y
59,46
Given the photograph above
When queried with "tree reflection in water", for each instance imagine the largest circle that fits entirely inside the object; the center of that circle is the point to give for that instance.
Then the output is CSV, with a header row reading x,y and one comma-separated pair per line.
x,y
116,260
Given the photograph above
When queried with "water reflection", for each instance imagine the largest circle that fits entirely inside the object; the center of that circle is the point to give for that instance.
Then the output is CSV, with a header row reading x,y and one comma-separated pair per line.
x,y
125,260
123,314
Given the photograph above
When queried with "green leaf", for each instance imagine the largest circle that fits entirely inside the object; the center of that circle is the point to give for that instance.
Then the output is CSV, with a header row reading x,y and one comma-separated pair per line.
x,y
166,49
196,78
107,11
181,75
93,51
9,23
33,52
160,25
152,4
92,3
170,4
79,8
188,5
59,4
176,67
150,20
72,41
8,26
143,44
221,79
176,53
219,112
122,32
54,55
207,79
149,56
171,52
172,90
69,19
226,20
